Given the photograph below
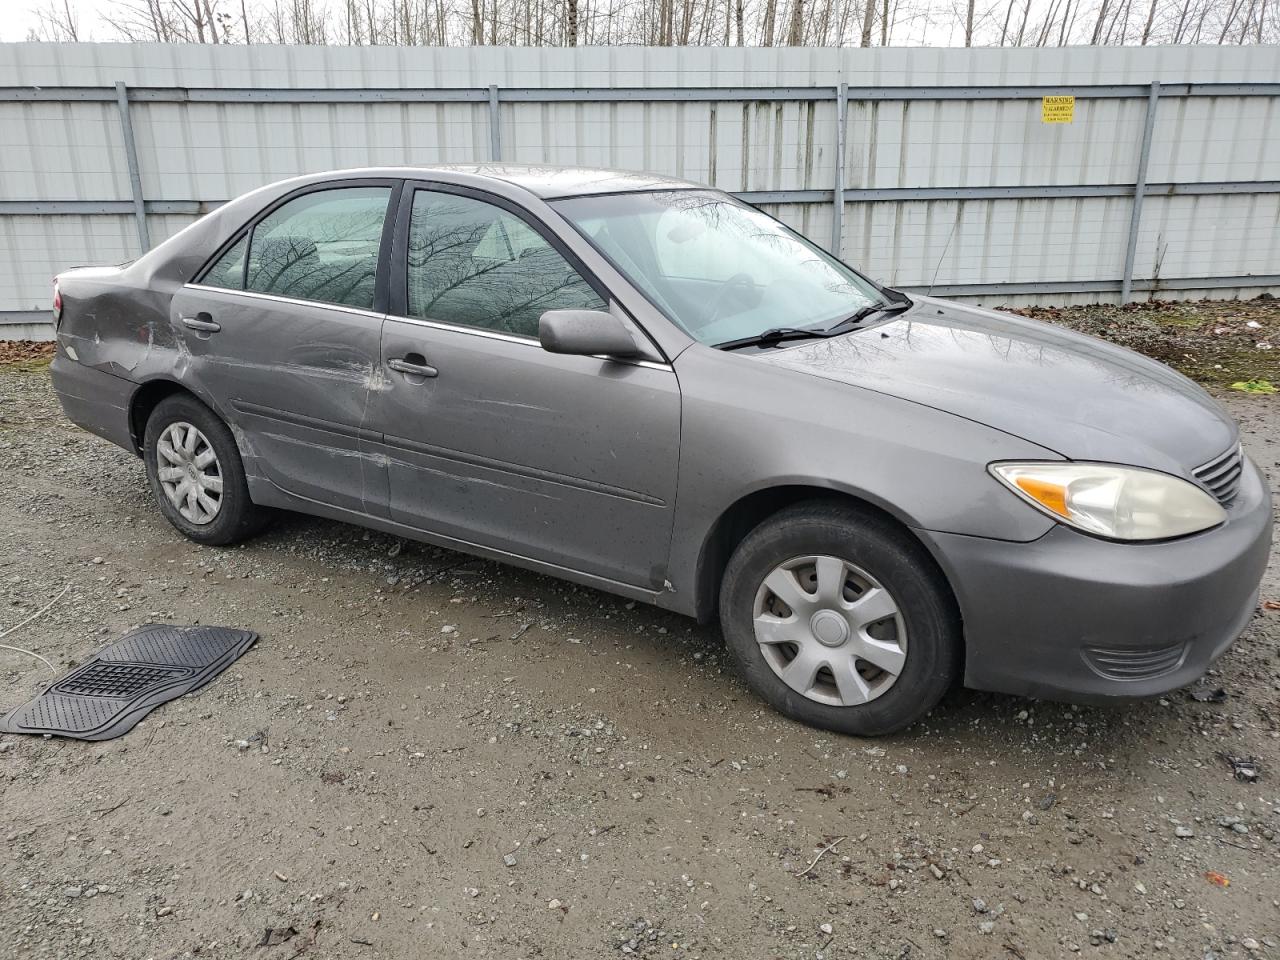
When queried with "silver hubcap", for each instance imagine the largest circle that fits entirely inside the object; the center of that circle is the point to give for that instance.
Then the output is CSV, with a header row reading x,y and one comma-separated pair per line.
x,y
189,472
830,631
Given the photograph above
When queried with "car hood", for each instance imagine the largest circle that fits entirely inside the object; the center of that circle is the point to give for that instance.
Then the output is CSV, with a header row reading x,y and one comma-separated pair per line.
x,y
1071,393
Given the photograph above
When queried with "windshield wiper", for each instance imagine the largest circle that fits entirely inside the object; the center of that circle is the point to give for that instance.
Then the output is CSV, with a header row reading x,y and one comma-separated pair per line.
x,y
870,310
776,335
773,336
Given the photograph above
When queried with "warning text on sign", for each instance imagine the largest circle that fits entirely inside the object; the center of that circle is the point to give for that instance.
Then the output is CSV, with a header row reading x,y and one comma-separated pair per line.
x,y
1057,109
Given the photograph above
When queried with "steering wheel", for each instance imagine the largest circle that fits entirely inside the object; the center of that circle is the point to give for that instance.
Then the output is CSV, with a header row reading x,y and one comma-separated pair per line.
x,y
740,284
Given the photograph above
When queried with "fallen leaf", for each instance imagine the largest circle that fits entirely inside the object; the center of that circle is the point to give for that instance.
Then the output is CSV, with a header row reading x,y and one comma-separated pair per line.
x,y
1254,386
1271,604
1216,878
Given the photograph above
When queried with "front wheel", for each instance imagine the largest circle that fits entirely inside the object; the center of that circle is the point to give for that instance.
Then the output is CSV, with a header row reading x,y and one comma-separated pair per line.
x,y
839,619
196,474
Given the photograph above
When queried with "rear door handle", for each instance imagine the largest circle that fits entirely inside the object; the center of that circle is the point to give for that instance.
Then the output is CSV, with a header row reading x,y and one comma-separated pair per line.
x,y
202,322
416,367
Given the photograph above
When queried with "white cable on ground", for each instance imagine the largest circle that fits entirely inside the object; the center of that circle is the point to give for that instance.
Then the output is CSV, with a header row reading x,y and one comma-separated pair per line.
x,y
38,613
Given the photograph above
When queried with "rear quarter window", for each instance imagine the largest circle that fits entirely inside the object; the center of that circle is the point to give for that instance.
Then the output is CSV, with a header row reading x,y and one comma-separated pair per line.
x,y
228,270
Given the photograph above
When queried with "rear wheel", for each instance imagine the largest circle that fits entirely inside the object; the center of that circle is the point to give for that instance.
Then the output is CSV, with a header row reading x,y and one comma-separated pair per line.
x,y
839,619
196,474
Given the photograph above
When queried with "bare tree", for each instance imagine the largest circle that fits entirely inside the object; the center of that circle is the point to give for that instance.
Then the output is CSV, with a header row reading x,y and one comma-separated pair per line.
x,y
795,32
1022,29
1004,30
56,21
670,22
770,16
868,18
1099,22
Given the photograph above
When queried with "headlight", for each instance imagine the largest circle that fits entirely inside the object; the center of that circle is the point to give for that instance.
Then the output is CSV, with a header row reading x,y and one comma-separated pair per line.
x,y
1121,503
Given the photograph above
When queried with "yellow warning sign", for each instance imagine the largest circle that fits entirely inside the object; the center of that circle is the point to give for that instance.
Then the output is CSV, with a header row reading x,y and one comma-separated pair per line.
x,y
1057,109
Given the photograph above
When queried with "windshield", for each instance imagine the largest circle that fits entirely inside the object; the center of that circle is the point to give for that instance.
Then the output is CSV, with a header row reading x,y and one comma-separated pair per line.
x,y
721,270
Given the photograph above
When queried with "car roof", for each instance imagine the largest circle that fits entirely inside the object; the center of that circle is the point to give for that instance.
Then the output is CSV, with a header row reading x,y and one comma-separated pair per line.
x,y
542,180
548,181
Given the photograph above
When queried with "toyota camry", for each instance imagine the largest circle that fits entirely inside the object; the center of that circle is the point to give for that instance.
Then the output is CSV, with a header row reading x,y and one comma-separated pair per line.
x,y
650,387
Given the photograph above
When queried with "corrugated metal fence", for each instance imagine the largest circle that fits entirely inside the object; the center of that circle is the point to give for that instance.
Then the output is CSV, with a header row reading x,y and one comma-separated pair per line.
x,y
1166,182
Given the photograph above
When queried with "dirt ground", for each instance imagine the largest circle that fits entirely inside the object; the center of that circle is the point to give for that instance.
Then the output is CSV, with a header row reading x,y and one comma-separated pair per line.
x,y
430,756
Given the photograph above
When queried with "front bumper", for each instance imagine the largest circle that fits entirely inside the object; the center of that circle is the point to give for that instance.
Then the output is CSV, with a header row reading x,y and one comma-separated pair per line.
x,y
1071,617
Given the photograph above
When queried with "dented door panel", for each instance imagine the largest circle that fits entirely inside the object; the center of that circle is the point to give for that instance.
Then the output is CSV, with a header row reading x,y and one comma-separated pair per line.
x,y
298,382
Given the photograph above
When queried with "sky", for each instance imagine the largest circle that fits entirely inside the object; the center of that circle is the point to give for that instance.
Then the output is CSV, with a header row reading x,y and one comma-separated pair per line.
x,y
19,17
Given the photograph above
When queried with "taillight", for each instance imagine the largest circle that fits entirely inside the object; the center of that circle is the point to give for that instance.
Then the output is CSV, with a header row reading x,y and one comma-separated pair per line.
x,y
57,303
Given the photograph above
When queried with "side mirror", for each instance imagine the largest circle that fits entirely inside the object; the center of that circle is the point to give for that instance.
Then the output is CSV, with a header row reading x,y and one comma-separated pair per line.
x,y
586,333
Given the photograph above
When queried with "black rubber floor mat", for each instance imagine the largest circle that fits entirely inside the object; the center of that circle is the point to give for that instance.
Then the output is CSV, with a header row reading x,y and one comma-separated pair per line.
x,y
107,696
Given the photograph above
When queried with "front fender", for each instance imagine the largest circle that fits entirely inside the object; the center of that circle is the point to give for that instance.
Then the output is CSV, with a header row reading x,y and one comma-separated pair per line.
x,y
748,426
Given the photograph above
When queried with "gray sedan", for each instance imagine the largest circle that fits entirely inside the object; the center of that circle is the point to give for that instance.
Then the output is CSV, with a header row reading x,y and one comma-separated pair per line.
x,y
649,387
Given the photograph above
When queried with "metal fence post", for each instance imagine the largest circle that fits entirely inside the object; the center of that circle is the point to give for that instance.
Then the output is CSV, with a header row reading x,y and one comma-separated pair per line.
x,y
495,130
1139,190
131,155
837,210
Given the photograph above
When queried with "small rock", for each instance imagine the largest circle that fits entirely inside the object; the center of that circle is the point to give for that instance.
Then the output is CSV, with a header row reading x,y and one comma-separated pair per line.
x,y
164,911
986,926
826,928
1183,832
509,859
554,904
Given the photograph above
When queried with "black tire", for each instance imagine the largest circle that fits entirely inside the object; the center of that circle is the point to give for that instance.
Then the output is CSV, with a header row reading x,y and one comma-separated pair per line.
x,y
884,551
237,517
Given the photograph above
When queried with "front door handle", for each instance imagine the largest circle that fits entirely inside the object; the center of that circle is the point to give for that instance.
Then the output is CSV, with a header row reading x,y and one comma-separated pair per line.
x,y
415,365
202,322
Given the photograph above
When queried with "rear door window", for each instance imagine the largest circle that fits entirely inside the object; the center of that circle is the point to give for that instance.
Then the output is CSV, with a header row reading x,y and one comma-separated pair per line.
x,y
320,246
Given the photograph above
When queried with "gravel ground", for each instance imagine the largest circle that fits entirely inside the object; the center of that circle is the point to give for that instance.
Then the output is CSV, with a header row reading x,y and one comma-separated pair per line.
x,y
430,756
